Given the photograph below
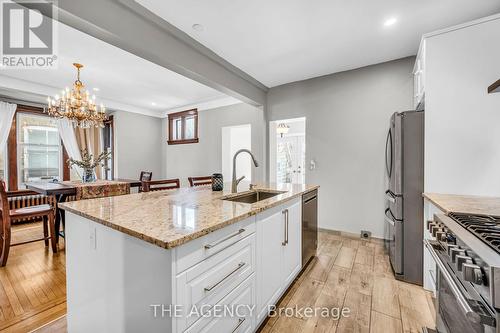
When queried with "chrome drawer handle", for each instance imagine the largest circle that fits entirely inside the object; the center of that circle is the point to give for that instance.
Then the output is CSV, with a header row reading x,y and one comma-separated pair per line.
x,y
209,246
240,321
240,265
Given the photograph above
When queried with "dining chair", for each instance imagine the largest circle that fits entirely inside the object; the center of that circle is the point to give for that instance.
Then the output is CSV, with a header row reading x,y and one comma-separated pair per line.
x,y
153,185
45,211
145,176
199,181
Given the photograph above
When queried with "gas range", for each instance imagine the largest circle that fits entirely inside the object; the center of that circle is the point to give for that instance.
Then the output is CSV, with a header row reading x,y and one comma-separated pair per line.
x,y
486,228
466,251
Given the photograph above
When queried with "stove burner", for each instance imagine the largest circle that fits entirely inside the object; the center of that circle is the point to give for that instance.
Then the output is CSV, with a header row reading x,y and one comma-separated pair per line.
x,y
486,228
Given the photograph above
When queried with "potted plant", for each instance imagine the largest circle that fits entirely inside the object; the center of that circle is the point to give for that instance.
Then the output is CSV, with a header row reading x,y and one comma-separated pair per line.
x,y
89,163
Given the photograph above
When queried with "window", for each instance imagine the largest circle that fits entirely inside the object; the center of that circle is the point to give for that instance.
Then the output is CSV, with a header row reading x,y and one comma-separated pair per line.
x,y
108,142
183,127
39,149
2,163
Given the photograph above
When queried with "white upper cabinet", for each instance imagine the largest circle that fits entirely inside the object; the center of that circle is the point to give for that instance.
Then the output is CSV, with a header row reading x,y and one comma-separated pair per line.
x,y
419,76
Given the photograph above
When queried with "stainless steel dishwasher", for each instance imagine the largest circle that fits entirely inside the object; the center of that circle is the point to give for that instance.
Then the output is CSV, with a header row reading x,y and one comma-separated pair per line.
x,y
309,225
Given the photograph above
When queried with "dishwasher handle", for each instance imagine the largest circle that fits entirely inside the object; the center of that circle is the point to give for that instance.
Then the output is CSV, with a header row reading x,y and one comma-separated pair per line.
x,y
310,199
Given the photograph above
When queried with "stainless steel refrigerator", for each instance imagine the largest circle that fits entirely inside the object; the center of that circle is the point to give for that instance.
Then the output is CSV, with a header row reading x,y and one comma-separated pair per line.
x,y
404,158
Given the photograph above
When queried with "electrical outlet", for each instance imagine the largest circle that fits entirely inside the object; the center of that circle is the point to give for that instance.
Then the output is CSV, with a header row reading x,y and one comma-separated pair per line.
x,y
366,234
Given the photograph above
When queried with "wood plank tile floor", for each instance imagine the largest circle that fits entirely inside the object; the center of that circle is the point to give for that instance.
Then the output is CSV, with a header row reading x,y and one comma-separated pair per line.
x,y
354,274
347,273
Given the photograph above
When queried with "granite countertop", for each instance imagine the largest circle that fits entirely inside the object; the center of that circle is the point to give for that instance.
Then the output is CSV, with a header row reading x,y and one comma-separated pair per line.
x,y
466,204
173,217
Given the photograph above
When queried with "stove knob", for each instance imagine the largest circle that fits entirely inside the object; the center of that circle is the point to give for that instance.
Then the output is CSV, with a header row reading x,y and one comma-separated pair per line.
x,y
429,222
462,260
441,235
436,230
455,252
450,247
434,226
472,273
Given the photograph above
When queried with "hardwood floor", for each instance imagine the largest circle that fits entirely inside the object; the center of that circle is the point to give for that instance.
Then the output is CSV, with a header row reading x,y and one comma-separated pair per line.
x,y
32,284
347,273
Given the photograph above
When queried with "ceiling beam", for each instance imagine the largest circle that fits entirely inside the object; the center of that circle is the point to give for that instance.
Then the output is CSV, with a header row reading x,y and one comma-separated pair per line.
x,y
133,28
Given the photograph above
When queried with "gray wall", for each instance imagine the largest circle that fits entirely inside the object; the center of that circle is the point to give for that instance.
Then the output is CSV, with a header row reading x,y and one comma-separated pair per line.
x,y
205,157
347,117
138,144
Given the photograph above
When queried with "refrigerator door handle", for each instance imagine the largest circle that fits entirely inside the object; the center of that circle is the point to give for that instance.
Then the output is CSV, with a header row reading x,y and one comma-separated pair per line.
x,y
390,197
388,219
387,142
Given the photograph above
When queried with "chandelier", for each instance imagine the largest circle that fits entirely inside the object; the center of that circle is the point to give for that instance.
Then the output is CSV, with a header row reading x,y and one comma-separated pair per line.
x,y
282,128
77,106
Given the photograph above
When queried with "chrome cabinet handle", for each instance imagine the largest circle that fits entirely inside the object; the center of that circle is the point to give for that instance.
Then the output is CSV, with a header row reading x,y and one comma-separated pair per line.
x,y
469,313
285,236
240,322
240,265
209,246
287,226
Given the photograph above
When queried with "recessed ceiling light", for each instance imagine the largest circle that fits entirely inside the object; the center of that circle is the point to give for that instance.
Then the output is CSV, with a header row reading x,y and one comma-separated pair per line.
x,y
153,103
390,21
198,27
95,89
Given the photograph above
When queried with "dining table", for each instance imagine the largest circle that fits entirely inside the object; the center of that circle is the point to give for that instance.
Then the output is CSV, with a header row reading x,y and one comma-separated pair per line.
x,y
62,190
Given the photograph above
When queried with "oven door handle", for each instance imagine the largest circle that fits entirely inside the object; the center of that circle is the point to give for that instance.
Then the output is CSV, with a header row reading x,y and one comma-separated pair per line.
x,y
469,313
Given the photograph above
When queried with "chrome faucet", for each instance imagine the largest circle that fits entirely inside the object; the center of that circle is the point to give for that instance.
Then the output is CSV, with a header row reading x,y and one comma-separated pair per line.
x,y
235,182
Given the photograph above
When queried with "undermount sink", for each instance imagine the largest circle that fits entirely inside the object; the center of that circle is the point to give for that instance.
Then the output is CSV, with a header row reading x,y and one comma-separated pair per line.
x,y
253,196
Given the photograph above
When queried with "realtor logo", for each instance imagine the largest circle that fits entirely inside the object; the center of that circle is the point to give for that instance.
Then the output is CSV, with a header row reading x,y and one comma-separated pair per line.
x,y
28,34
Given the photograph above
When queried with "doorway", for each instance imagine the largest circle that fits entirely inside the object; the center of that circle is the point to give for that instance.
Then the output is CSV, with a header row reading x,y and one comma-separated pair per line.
x,y
235,138
287,140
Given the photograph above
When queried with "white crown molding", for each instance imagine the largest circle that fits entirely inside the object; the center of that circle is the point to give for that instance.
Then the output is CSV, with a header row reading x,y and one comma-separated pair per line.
x,y
461,26
22,89
212,104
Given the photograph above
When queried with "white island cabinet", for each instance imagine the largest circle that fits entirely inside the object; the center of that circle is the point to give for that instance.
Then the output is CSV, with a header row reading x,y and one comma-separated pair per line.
x,y
120,283
279,250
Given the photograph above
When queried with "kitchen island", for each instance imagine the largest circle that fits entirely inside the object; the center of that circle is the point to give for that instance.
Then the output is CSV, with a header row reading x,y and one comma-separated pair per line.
x,y
187,260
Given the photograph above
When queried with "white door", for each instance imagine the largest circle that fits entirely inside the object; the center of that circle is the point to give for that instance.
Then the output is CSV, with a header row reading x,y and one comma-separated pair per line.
x,y
290,159
292,251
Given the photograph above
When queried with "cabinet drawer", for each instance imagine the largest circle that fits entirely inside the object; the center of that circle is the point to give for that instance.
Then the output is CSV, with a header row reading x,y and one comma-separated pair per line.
x,y
241,300
212,279
202,248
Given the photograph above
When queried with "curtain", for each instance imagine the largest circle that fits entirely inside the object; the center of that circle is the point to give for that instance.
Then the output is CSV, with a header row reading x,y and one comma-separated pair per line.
x,y
68,137
7,112
91,139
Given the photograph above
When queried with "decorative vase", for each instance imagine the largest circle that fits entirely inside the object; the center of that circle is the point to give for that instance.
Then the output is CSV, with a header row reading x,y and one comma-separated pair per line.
x,y
88,176
217,182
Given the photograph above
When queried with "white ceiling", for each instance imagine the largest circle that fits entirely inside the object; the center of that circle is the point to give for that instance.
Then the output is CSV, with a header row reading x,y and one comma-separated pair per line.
x,y
125,81
281,41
